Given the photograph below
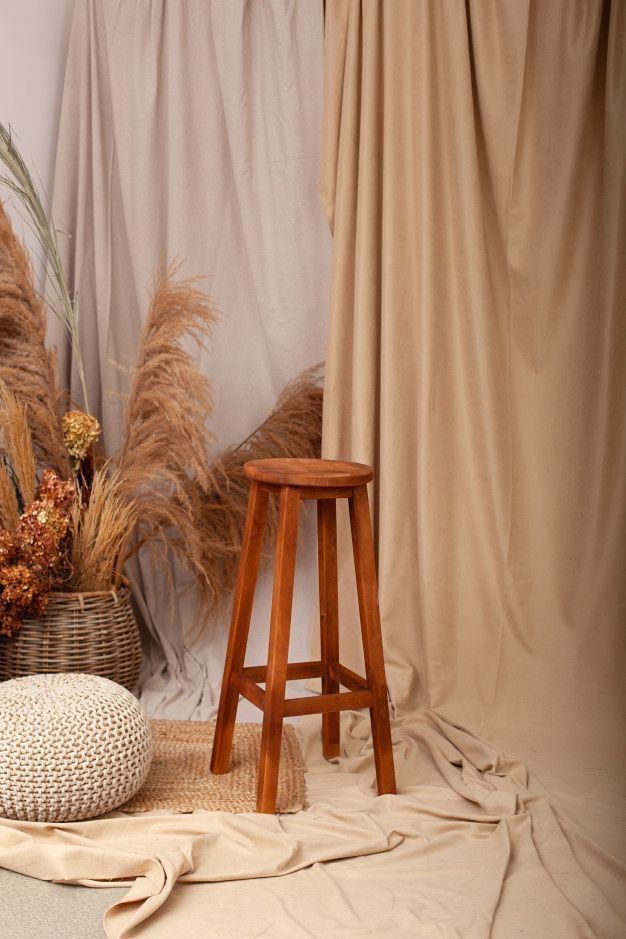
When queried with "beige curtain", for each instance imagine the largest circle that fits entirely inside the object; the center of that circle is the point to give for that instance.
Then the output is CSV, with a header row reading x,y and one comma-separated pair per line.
x,y
473,175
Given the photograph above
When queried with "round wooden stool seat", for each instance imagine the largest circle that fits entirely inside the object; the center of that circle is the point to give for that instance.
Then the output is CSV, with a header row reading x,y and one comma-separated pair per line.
x,y
320,474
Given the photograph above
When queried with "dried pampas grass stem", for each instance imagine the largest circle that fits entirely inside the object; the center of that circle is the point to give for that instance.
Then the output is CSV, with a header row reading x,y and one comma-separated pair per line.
x,y
9,507
101,533
293,429
170,400
63,304
17,443
26,366
166,440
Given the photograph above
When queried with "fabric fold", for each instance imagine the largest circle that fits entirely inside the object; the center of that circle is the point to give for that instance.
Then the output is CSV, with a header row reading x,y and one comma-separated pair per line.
x,y
471,847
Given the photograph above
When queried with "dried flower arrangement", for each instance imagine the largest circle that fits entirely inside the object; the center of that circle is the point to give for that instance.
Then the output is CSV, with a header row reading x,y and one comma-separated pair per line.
x,y
75,529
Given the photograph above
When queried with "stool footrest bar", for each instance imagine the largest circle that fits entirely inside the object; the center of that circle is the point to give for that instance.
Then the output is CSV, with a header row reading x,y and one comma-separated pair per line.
x,y
249,689
295,670
320,704
347,678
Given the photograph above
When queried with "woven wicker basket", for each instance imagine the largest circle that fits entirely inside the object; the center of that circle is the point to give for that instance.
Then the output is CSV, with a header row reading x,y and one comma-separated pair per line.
x,y
79,632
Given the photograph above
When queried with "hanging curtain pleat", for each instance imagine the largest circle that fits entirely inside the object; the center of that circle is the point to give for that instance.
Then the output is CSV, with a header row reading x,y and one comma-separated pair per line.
x,y
473,178
191,130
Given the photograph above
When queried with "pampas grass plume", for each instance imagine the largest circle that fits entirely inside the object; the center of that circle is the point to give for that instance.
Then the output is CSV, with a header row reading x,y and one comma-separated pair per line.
x,y
293,429
26,366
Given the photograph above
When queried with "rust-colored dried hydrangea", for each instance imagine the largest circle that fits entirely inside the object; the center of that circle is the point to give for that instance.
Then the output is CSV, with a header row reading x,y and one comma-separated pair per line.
x,y
60,492
30,556
8,548
24,593
38,539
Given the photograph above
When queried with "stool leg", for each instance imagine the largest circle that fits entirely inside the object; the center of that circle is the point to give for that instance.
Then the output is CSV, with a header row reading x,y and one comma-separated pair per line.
x,y
239,627
284,570
365,567
329,616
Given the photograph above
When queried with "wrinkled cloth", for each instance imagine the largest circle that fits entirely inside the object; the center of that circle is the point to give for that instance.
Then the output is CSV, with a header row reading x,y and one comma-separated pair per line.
x,y
469,847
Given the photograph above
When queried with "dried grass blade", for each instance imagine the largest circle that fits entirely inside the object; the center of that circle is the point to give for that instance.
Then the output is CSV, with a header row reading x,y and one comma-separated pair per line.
x,y
16,440
26,366
293,429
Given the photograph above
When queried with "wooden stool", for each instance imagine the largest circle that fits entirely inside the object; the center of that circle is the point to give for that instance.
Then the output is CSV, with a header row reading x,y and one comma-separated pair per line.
x,y
293,480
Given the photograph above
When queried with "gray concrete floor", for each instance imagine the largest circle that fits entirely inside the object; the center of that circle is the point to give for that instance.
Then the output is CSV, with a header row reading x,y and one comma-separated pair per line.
x,y
36,909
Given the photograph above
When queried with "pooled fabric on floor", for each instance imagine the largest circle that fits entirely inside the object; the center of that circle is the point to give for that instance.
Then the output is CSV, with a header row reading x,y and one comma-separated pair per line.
x,y
470,847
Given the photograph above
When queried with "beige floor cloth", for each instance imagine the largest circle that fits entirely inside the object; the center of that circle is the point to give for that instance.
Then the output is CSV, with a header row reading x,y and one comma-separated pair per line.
x,y
469,848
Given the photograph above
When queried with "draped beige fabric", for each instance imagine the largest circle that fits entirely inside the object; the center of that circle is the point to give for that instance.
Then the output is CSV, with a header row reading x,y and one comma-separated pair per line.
x,y
469,848
473,174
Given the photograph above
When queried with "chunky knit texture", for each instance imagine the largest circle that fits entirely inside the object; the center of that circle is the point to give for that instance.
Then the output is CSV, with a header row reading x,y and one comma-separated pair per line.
x,y
72,746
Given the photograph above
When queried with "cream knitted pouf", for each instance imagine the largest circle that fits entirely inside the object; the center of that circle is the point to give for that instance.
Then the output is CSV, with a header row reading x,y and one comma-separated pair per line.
x,y
72,746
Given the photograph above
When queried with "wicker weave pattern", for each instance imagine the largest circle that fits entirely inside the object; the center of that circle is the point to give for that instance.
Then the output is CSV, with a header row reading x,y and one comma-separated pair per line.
x,y
71,747
79,632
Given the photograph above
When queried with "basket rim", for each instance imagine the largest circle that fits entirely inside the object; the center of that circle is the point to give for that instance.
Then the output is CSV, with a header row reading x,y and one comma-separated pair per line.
x,y
76,595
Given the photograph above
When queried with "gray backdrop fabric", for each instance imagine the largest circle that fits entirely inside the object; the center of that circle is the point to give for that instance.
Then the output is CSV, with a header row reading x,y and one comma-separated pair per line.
x,y
192,130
